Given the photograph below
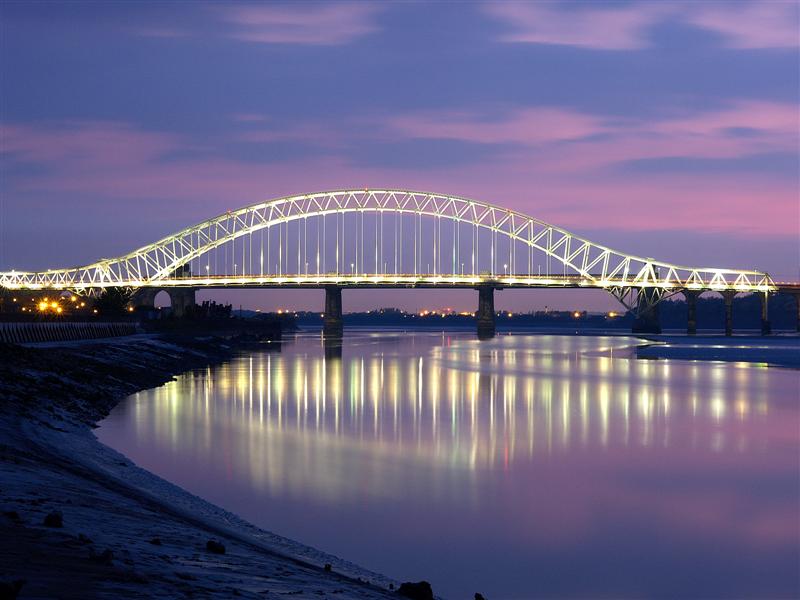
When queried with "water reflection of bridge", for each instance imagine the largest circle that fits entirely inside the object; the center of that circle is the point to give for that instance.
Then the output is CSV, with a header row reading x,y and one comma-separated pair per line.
x,y
471,406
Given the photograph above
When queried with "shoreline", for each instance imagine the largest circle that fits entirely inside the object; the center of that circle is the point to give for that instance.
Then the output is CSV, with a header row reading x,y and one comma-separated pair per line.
x,y
773,351
54,394
126,532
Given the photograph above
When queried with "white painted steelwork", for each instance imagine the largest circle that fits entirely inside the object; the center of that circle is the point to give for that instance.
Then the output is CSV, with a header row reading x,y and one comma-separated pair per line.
x,y
457,242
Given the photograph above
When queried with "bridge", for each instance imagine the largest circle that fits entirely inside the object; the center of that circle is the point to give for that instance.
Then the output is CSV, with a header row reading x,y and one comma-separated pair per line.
x,y
395,239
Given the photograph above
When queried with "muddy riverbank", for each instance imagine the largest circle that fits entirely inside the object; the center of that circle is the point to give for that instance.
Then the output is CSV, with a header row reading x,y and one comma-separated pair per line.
x,y
114,530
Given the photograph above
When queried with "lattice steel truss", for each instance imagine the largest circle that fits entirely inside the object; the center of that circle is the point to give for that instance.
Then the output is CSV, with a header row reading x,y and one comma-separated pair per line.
x,y
167,262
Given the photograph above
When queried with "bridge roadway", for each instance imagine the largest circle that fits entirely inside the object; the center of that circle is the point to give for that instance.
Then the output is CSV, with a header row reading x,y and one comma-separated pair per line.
x,y
182,291
383,280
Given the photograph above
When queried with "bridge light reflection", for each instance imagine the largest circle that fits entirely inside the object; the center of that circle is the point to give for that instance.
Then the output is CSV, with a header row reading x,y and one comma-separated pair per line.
x,y
470,405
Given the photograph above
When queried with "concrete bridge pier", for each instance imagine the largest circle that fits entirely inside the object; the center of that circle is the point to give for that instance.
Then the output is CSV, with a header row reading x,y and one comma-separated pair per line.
x,y
485,313
727,296
144,298
691,311
647,319
333,325
797,310
766,326
182,300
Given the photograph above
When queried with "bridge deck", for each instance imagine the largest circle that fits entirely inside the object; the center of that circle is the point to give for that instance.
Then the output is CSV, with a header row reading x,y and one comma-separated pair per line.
x,y
419,281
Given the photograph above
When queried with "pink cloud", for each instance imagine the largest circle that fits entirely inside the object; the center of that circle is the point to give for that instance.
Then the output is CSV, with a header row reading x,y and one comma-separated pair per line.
x,y
525,126
764,117
770,126
315,24
103,144
116,162
581,25
750,24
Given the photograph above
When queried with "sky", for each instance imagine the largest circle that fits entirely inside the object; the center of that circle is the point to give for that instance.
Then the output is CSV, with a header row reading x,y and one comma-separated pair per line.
x,y
665,129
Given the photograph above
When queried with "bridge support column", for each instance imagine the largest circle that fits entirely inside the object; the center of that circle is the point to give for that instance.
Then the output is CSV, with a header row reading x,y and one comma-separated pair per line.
x,y
647,313
766,326
485,314
727,296
182,300
333,325
797,310
144,298
691,311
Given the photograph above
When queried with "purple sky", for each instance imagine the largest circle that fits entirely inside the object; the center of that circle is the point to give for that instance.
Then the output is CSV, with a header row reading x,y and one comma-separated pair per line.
x,y
664,129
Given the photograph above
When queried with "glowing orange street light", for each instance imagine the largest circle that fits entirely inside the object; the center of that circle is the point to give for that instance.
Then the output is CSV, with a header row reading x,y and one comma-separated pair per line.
x,y
59,310
43,306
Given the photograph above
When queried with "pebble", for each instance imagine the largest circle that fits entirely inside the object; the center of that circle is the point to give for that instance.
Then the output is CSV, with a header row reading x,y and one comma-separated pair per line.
x,y
54,519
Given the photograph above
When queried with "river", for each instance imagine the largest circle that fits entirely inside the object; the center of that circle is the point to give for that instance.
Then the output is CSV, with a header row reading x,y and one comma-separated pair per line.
x,y
526,466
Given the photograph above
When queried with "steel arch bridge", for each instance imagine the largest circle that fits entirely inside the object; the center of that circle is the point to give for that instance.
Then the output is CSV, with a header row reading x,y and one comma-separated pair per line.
x,y
386,238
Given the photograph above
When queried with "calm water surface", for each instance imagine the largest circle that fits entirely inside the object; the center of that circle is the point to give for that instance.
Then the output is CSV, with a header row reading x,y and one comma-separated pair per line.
x,y
521,467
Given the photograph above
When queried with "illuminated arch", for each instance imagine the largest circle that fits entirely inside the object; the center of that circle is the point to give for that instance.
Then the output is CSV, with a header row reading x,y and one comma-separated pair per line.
x,y
162,263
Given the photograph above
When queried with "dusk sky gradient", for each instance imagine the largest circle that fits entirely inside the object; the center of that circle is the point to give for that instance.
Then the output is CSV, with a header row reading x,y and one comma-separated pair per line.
x,y
666,129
